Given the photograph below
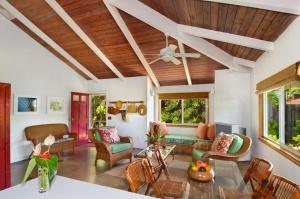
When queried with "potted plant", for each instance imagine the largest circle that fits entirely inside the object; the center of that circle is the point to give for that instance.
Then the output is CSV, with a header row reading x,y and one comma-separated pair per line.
x,y
154,136
47,164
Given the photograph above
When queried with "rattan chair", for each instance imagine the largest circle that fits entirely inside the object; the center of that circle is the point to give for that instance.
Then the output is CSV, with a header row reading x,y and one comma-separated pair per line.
x,y
247,142
139,174
104,150
281,188
257,175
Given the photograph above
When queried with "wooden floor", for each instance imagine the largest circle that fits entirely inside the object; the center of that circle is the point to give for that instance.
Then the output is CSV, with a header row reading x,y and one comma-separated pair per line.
x,y
81,166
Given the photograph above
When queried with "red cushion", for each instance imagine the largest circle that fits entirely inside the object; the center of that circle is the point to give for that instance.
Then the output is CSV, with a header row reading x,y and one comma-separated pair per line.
x,y
210,131
109,135
201,131
222,143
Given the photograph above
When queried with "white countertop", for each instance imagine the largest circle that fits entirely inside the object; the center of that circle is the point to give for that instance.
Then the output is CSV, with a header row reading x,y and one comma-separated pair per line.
x,y
64,188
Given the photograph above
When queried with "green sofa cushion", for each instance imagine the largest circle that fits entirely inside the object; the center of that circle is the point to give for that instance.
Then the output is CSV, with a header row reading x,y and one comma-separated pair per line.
x,y
97,135
183,139
236,144
121,146
197,154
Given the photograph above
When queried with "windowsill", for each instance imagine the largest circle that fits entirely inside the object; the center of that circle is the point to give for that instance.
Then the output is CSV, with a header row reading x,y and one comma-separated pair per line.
x,y
280,150
182,125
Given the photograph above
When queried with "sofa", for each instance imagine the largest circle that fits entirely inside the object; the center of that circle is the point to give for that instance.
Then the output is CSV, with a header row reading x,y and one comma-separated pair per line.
x,y
111,153
37,133
184,143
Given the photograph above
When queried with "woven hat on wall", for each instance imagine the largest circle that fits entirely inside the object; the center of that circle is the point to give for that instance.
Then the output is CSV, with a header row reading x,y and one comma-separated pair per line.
x,y
119,104
131,108
142,109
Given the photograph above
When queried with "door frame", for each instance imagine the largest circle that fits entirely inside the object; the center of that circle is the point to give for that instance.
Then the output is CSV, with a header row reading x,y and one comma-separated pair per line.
x,y
6,147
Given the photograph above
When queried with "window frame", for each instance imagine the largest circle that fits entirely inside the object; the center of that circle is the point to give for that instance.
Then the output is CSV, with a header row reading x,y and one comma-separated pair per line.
x,y
182,97
278,80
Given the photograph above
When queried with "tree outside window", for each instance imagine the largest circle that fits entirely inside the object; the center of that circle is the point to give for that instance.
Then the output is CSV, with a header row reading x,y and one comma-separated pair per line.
x,y
98,111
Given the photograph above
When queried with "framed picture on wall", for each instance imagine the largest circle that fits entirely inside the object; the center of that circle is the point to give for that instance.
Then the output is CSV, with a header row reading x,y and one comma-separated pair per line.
x,y
26,104
55,105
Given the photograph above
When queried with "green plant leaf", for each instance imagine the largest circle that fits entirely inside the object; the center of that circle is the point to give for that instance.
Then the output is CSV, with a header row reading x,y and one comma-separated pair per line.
x,y
30,167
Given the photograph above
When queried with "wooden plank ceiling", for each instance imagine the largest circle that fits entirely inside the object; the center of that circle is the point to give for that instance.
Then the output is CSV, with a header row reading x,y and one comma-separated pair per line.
x,y
95,20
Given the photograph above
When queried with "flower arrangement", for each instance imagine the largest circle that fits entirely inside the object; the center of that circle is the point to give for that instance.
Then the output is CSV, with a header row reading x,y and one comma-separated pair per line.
x,y
155,135
200,166
47,164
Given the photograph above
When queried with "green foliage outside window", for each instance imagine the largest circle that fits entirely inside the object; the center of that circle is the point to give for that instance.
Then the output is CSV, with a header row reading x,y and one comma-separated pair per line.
x,y
98,111
194,111
273,130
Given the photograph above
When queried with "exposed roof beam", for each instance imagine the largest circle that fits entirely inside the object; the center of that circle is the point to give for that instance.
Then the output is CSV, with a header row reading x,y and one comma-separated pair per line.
x,y
122,25
244,62
166,25
11,9
185,65
71,23
227,37
286,6
6,14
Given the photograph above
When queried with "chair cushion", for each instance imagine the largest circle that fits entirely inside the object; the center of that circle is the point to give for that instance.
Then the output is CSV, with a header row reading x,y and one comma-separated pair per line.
x,y
121,146
183,139
201,131
197,154
110,135
236,144
222,143
210,131
97,135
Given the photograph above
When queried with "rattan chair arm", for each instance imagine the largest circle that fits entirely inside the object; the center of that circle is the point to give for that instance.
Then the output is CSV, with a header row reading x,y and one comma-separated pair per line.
x,y
103,147
73,135
214,154
126,139
202,146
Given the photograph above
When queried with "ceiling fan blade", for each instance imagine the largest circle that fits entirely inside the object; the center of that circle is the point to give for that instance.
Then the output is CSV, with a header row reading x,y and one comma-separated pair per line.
x,y
152,54
172,47
167,42
188,55
175,61
155,60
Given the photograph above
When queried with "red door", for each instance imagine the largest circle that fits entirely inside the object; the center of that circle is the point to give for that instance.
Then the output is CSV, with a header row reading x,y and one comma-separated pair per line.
x,y
4,136
80,116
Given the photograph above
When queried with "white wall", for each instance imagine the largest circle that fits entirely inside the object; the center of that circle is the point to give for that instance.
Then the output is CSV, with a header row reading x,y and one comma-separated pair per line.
x,y
287,48
186,89
133,89
32,70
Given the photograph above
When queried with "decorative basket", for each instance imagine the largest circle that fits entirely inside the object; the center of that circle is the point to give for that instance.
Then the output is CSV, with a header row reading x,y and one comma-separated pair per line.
x,y
203,176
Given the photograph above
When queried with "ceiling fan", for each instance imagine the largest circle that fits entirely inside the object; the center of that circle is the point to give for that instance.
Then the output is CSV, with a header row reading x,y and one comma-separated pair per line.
x,y
168,54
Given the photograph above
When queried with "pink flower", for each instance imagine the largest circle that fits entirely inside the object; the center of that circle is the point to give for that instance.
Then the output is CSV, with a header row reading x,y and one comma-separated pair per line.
x,y
49,140
37,149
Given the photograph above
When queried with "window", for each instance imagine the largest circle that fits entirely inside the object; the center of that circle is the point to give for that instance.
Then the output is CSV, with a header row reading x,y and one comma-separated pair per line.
x,y
98,112
279,112
184,109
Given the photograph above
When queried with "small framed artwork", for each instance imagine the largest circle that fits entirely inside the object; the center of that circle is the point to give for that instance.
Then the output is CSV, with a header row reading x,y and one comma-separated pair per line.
x,y
26,104
55,105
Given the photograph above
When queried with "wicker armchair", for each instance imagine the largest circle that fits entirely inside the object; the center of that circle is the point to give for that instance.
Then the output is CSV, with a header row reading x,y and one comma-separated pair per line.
x,y
224,156
281,188
104,151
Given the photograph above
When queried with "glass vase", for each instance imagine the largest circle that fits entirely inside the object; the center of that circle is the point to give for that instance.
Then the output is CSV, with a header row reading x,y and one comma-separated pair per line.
x,y
43,179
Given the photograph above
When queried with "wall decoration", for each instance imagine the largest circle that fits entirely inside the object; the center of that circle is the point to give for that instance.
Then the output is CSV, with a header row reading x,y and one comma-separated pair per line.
x,y
55,105
25,104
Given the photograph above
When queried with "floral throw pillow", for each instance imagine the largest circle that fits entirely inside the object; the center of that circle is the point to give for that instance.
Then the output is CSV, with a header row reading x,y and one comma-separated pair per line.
x,y
110,135
222,143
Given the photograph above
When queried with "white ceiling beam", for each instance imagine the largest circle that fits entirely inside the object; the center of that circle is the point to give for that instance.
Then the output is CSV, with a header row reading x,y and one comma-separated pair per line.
x,y
166,25
244,62
185,64
122,25
71,23
11,9
285,6
227,37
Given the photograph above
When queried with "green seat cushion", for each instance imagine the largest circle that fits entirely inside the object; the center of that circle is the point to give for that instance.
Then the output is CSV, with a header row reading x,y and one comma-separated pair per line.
x,y
120,146
97,135
236,144
183,139
197,154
